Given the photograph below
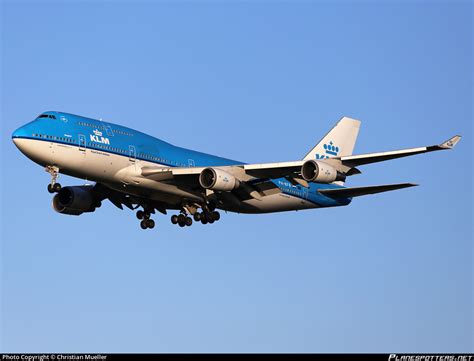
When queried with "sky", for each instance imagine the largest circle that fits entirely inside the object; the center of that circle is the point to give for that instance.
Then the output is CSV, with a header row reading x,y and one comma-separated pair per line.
x,y
258,82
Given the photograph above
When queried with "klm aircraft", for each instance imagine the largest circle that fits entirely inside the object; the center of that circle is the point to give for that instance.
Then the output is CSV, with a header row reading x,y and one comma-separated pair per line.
x,y
146,174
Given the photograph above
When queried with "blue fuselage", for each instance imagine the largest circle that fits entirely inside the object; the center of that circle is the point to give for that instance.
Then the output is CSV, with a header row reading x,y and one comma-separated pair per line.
x,y
77,131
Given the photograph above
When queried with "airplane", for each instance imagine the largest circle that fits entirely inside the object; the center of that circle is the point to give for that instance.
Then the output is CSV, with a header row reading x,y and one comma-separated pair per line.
x,y
137,170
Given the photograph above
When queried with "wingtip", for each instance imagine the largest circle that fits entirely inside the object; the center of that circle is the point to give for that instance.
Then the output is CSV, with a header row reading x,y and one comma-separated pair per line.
x,y
451,142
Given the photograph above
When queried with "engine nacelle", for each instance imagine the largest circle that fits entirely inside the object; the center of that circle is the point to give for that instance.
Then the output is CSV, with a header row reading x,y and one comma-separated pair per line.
x,y
74,200
315,171
218,180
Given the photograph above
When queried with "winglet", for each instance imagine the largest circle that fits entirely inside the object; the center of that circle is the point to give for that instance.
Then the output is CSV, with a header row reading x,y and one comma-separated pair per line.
x,y
450,143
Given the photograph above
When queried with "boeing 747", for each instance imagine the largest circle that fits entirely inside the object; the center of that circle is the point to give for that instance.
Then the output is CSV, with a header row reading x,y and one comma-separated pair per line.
x,y
144,173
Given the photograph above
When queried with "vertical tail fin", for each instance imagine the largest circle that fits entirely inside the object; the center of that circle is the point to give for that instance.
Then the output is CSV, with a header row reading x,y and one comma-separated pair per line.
x,y
339,141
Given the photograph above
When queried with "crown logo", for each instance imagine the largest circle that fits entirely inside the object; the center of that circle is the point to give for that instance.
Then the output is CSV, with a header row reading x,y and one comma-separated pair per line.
x,y
97,132
331,148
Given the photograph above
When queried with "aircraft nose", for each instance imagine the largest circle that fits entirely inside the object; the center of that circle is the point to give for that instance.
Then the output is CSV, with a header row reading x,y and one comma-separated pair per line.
x,y
20,132
18,136
21,137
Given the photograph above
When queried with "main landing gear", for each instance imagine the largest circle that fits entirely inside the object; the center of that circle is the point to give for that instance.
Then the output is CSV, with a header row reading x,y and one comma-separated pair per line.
x,y
146,221
205,217
208,215
53,187
182,220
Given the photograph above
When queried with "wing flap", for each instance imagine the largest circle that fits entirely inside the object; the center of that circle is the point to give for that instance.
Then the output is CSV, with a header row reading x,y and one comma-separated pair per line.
x,y
273,170
362,191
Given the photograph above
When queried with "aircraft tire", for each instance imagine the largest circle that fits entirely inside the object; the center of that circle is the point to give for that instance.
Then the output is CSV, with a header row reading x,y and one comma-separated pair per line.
x,y
211,205
215,216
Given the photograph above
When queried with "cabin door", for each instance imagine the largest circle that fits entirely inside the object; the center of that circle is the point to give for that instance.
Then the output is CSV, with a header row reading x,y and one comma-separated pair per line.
x,y
132,154
82,143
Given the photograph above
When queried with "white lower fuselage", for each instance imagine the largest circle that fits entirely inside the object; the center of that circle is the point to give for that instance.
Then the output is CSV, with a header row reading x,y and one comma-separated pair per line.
x,y
123,173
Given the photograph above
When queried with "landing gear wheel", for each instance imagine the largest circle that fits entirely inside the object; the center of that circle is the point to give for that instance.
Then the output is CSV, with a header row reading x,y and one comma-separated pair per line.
x,y
203,218
181,224
211,221
150,223
188,221
181,218
140,214
144,224
54,172
211,206
174,219
197,216
56,187
215,216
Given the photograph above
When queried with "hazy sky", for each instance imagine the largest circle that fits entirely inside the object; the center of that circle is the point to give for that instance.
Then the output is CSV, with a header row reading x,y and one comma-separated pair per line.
x,y
259,82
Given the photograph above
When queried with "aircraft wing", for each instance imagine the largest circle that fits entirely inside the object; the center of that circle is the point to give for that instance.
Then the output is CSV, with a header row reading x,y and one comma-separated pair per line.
x,y
250,174
352,161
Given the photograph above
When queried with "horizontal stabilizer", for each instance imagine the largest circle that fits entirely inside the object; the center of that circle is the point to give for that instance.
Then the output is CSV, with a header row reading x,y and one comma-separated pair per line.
x,y
362,191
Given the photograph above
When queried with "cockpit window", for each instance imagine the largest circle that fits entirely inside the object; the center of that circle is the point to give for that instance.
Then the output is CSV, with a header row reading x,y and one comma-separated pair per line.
x,y
46,116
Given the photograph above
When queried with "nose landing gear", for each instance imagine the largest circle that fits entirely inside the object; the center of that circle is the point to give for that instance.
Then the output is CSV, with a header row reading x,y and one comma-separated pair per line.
x,y
53,187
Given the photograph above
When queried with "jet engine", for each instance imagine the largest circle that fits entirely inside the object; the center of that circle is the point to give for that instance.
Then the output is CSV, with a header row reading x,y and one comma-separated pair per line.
x,y
218,180
316,171
75,200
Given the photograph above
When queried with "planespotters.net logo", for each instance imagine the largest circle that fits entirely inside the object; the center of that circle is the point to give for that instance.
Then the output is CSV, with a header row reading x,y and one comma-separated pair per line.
x,y
395,357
